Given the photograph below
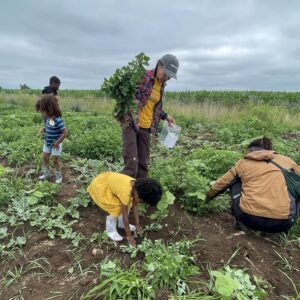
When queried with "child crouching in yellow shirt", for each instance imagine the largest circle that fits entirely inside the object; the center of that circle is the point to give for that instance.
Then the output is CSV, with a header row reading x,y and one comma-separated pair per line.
x,y
116,193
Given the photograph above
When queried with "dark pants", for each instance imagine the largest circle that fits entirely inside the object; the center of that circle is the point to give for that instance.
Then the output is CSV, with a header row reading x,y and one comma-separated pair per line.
x,y
136,151
255,222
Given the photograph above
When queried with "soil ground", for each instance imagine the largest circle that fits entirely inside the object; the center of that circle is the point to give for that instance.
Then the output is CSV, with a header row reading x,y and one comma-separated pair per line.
x,y
73,271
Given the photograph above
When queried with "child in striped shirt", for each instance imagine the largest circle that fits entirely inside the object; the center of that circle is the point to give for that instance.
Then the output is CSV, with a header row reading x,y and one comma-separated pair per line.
x,y
55,132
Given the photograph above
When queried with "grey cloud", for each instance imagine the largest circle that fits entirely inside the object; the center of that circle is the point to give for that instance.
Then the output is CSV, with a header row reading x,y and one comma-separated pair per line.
x,y
230,44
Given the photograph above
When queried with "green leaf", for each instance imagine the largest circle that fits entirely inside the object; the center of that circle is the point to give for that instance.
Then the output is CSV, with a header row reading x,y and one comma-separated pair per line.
x,y
224,284
32,200
3,232
38,194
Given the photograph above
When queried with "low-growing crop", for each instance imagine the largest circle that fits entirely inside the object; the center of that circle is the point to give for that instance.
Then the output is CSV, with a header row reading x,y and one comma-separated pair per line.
x,y
231,283
119,284
162,206
195,188
167,266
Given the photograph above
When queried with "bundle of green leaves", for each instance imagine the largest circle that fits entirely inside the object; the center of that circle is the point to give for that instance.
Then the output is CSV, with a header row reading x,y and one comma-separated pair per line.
x,y
122,85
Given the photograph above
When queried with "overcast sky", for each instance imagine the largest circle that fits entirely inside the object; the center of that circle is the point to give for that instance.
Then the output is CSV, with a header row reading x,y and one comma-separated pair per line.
x,y
221,44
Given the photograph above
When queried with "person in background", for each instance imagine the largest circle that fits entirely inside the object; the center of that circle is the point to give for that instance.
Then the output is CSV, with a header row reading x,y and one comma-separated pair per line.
x,y
54,131
260,197
116,193
53,87
149,110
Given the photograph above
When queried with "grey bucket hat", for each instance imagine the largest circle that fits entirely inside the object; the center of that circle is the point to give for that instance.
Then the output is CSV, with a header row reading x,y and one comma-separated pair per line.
x,y
171,64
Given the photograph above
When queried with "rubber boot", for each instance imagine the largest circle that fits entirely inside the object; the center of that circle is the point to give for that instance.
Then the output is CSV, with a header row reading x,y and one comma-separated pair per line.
x,y
111,228
121,224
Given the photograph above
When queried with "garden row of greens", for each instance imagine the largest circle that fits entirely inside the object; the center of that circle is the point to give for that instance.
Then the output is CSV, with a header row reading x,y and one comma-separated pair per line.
x,y
171,267
205,151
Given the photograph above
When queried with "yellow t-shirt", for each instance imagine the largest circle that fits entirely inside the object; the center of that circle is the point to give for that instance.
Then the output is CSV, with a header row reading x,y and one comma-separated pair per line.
x,y
147,112
110,191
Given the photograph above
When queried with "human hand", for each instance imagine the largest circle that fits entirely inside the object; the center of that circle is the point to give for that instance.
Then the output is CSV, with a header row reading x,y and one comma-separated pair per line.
x,y
41,131
170,120
56,145
210,195
131,241
207,199
139,230
125,124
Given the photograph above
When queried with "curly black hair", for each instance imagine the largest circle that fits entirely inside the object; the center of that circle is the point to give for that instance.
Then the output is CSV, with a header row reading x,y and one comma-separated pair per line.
x,y
149,190
48,104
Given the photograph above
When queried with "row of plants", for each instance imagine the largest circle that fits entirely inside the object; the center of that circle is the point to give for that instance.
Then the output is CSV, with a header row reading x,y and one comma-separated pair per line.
x,y
35,203
91,135
172,267
225,97
185,172
230,98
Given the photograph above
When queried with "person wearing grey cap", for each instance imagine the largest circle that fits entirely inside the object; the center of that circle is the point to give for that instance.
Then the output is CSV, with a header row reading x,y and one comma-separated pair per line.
x,y
145,118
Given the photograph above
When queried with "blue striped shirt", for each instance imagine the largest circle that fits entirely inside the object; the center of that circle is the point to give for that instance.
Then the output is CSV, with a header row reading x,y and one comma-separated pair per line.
x,y
54,128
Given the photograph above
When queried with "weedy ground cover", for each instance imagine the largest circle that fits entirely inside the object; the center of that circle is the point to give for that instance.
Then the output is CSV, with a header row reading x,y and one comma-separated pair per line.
x,y
215,134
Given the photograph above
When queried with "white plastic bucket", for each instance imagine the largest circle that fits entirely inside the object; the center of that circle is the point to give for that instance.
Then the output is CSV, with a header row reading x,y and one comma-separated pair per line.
x,y
169,134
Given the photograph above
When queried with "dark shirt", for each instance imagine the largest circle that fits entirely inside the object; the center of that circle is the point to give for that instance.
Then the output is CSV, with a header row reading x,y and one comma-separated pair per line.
x,y
54,128
49,90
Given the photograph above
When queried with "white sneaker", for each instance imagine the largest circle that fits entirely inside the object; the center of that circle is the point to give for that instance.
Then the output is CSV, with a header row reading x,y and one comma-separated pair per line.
x,y
111,229
58,178
45,175
121,224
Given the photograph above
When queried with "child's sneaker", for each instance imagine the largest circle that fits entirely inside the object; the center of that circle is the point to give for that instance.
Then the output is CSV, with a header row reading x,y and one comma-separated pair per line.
x,y
45,174
58,178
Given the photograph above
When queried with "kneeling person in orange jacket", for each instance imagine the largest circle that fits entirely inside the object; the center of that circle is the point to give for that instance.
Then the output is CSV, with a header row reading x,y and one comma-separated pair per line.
x,y
260,197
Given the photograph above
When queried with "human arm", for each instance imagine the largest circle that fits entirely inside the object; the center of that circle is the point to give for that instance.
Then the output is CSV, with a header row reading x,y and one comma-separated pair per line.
x,y
61,138
136,216
164,116
223,182
129,236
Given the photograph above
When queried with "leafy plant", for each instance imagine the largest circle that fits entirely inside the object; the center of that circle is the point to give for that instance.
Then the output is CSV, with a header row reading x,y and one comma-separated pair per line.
x,y
162,206
167,266
153,227
13,276
213,163
122,85
236,284
117,283
93,137
168,167
195,187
